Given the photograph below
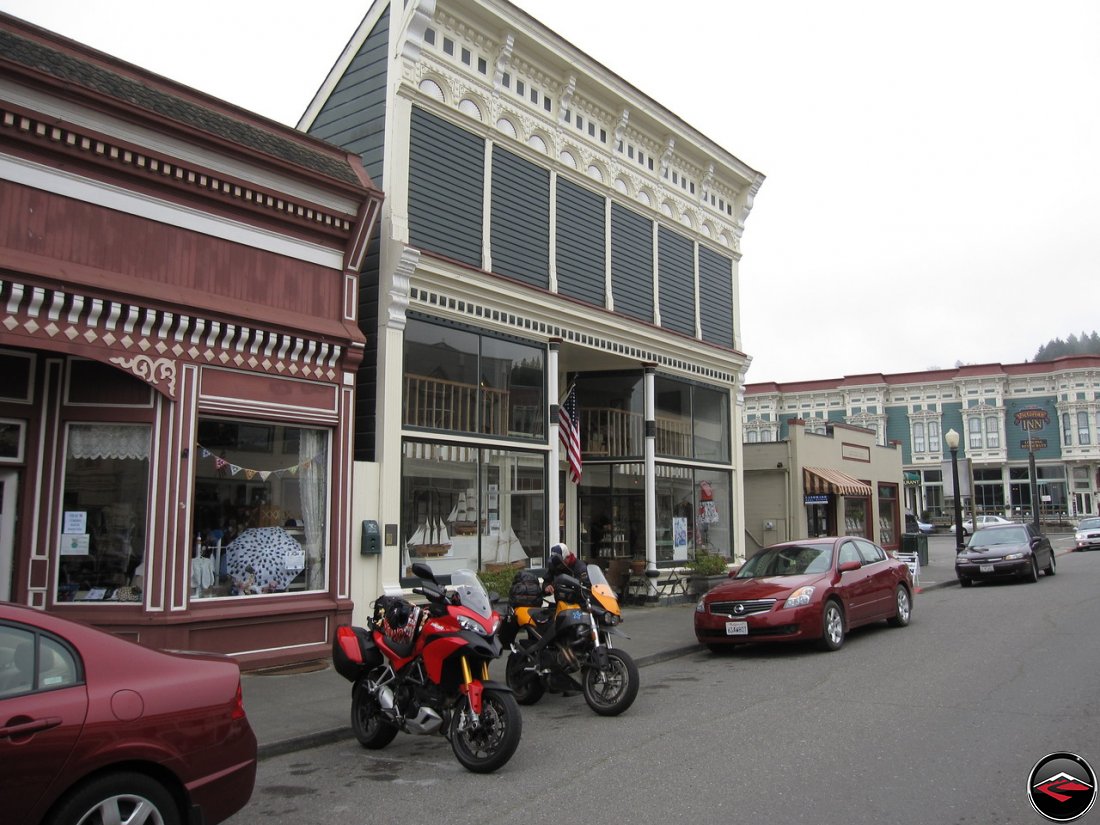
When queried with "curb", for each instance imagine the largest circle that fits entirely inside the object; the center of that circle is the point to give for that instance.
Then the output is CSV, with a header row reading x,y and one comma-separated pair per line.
x,y
328,737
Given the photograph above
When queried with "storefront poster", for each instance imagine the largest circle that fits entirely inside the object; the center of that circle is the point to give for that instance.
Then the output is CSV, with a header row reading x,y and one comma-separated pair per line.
x,y
74,544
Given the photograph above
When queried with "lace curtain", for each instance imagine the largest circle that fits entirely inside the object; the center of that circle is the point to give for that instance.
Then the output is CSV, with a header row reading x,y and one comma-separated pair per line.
x,y
311,481
109,441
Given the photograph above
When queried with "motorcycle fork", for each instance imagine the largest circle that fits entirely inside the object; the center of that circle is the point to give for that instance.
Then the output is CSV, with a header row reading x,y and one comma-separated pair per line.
x,y
473,687
599,649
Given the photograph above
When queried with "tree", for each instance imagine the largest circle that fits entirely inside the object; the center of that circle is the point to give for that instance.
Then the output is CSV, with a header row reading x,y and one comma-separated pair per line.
x,y
1085,344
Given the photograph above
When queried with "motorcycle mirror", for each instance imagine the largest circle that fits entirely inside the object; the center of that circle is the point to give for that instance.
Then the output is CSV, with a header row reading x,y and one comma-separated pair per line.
x,y
422,571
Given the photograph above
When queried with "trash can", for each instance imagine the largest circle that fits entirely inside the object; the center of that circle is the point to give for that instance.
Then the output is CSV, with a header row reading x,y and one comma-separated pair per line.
x,y
916,543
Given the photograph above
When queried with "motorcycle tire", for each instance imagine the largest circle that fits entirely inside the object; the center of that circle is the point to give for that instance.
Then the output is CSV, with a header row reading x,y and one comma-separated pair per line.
x,y
490,744
367,723
526,686
613,689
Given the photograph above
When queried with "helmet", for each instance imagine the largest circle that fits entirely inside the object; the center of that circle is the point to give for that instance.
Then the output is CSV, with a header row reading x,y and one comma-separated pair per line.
x,y
563,552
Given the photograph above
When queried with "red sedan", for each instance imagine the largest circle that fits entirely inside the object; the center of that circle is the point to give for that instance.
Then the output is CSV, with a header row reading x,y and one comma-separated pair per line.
x,y
95,729
811,589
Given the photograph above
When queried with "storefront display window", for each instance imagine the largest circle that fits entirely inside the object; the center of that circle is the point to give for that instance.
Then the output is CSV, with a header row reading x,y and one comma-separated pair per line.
x,y
261,509
855,517
888,521
471,507
459,381
102,541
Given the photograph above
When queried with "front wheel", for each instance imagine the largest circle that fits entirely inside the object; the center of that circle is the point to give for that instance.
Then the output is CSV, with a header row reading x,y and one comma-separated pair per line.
x,y
119,797
613,689
1049,569
367,722
832,626
487,743
1032,574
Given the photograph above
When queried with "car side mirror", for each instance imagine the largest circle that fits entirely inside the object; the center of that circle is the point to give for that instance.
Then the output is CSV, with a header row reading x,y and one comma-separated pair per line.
x,y
848,566
733,572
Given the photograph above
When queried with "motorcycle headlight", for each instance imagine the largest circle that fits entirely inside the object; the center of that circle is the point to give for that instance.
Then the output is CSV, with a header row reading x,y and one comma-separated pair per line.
x,y
466,623
800,598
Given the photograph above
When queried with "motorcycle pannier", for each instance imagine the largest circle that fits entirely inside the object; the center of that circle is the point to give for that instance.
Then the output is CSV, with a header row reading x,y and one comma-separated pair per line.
x,y
525,591
354,650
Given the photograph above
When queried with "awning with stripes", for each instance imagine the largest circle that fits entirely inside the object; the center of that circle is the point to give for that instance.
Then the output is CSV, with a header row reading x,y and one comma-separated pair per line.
x,y
824,480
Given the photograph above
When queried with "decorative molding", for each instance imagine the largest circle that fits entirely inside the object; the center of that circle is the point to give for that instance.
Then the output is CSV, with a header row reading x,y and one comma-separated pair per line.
x,y
420,17
150,343
150,371
399,291
65,139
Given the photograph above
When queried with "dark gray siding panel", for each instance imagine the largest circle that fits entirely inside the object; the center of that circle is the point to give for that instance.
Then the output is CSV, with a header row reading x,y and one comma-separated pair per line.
x,y
519,221
632,263
676,280
581,246
354,116
446,185
716,297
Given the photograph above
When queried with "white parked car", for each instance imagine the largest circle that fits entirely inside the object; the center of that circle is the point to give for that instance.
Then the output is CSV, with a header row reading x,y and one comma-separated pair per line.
x,y
983,521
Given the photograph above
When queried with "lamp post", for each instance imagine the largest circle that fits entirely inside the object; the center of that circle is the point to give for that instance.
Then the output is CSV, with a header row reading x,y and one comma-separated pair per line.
x,y
952,439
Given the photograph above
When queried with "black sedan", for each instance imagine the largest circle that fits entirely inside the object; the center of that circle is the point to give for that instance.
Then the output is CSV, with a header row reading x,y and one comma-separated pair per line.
x,y
1005,551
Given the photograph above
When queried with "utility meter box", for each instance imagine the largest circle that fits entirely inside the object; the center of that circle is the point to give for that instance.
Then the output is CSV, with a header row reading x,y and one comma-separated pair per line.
x,y
372,539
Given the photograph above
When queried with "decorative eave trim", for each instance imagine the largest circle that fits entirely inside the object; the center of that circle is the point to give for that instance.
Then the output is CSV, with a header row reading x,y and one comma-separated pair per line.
x,y
151,343
59,137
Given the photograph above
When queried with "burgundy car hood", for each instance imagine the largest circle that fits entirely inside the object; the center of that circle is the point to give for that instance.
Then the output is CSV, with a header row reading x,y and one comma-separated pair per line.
x,y
769,587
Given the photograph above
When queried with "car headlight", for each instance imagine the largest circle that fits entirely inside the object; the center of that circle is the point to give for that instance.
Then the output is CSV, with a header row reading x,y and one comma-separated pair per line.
x,y
466,623
1079,536
1014,556
700,607
800,598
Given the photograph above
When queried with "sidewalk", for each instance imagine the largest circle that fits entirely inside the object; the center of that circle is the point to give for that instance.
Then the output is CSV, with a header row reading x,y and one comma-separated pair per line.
x,y
296,708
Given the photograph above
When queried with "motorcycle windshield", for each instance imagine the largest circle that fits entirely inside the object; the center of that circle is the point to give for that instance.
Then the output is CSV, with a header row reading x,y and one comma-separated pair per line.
x,y
601,589
471,592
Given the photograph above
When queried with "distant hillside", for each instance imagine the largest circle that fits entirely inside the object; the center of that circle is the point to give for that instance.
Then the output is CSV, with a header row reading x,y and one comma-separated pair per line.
x,y
1084,344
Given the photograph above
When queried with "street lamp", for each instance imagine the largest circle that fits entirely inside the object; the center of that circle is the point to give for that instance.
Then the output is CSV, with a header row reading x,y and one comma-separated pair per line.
x,y
952,439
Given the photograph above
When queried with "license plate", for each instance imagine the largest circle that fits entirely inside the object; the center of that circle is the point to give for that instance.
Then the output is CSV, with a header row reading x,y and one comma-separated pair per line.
x,y
737,628
986,568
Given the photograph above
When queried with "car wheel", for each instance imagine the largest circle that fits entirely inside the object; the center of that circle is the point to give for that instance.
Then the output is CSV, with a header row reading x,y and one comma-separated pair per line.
x,y
119,797
1032,574
904,607
1049,569
965,582
832,626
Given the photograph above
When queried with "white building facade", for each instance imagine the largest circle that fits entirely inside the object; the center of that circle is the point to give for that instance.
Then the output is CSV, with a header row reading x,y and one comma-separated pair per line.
x,y
546,227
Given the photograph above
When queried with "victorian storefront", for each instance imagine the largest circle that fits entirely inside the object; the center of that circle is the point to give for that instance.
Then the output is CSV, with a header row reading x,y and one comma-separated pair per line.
x,y
178,340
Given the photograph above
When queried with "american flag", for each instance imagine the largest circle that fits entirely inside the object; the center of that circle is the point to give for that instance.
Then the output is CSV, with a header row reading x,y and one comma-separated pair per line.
x,y
570,432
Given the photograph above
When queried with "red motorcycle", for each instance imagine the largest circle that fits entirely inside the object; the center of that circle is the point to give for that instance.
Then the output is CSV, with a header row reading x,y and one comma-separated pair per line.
x,y
425,670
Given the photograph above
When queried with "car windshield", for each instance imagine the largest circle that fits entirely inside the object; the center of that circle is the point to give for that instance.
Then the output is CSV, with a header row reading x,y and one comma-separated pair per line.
x,y
788,560
991,537
1089,524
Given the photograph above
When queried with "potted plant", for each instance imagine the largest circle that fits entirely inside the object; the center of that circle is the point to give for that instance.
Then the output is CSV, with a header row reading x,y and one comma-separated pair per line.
x,y
706,570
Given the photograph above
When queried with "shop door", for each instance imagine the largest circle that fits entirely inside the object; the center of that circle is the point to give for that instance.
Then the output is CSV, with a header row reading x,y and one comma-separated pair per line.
x,y
1084,504
8,486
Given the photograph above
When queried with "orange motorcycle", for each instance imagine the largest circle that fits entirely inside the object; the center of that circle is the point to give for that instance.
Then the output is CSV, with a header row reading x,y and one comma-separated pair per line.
x,y
566,648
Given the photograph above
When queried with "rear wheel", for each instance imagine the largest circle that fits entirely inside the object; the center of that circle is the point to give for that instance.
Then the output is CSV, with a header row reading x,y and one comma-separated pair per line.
x,y
486,744
832,626
119,798
613,689
904,607
526,685
367,722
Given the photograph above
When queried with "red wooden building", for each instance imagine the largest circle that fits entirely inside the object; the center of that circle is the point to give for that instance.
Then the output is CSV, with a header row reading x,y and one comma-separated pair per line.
x,y
178,346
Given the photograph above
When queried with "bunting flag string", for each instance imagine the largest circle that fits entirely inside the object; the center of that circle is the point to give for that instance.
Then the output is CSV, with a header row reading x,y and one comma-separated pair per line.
x,y
249,473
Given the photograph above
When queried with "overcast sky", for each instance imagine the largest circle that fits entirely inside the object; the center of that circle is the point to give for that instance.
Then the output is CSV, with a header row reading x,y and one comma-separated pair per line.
x,y
933,167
